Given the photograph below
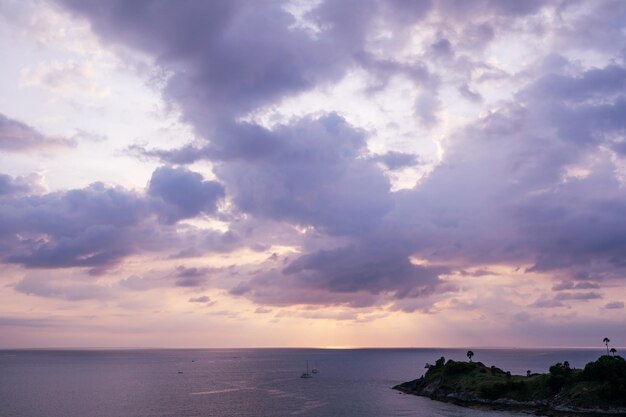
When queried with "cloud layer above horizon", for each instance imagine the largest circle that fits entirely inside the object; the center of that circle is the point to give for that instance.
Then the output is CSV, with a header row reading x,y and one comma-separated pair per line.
x,y
341,164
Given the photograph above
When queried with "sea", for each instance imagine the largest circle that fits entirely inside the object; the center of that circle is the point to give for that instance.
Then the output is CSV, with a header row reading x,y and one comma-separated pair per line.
x,y
242,382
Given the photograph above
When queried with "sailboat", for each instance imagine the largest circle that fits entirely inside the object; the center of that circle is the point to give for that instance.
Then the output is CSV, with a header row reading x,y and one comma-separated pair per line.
x,y
306,374
314,370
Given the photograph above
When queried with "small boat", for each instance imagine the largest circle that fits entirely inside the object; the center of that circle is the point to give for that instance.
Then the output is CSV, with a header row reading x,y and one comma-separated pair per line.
x,y
306,374
314,370
180,372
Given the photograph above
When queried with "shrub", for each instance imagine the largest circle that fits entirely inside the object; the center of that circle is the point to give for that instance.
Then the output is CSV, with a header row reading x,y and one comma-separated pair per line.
x,y
455,368
560,374
610,373
501,389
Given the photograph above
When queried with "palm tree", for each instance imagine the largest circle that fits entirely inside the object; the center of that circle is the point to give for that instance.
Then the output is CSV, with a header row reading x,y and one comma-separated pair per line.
x,y
470,354
606,342
613,351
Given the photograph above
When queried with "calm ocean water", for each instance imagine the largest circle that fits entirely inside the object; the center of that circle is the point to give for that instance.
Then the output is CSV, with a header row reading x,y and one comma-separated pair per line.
x,y
239,382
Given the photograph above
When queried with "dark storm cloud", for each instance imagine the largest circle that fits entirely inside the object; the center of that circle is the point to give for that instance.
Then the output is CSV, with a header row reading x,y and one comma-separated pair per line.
x,y
16,136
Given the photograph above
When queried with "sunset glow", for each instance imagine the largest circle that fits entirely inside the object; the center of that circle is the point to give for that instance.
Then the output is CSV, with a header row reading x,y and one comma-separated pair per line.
x,y
325,174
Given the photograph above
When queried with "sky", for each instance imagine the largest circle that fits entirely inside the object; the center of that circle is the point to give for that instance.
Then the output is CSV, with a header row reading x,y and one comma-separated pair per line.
x,y
323,173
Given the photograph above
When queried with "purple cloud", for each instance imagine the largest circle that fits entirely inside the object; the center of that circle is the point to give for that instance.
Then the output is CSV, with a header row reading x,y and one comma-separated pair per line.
x,y
503,193
16,136
97,226
396,160
308,174
66,291
11,186
577,296
190,277
200,299
570,285
184,193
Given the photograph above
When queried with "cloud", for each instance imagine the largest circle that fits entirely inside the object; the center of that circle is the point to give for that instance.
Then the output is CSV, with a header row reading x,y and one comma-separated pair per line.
x,y
190,277
16,136
307,173
614,305
356,276
138,283
12,186
91,227
515,204
71,291
201,299
570,285
544,302
506,8
98,226
584,296
234,74
503,192
396,160
181,276
69,78
38,322
184,193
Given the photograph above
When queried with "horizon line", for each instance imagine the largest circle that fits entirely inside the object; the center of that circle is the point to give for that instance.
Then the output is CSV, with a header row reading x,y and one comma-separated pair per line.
x,y
306,347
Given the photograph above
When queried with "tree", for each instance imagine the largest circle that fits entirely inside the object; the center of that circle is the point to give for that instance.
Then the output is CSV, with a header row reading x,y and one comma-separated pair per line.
x,y
606,342
613,351
470,354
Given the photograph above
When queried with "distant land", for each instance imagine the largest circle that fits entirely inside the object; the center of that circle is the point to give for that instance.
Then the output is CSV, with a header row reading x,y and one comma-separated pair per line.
x,y
598,389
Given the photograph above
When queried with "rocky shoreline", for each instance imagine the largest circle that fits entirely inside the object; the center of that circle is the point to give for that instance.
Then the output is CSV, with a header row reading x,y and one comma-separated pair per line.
x,y
539,407
562,392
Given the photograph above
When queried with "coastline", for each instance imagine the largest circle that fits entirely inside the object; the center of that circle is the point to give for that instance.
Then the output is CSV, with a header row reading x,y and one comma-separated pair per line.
x,y
538,408
596,390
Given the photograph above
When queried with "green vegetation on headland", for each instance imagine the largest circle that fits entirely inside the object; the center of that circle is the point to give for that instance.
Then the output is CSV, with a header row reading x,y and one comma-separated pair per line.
x,y
598,389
